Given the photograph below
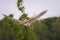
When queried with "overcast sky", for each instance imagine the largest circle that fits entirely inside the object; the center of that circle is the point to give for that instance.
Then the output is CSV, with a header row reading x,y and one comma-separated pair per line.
x,y
33,8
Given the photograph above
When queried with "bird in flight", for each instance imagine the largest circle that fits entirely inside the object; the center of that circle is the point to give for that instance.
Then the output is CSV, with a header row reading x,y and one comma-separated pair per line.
x,y
29,21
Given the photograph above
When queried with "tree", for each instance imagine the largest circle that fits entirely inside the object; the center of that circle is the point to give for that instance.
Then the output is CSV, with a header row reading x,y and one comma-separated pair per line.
x,y
12,30
20,6
47,29
24,17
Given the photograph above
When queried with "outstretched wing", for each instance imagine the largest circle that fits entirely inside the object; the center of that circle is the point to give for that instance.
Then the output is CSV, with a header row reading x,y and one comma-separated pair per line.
x,y
34,18
4,15
27,22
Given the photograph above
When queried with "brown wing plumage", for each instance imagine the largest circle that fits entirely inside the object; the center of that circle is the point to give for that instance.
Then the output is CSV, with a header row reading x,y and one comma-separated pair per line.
x,y
39,15
27,22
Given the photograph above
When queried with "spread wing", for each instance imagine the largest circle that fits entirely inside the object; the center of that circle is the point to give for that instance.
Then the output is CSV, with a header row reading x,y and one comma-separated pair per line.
x,y
4,15
36,17
27,22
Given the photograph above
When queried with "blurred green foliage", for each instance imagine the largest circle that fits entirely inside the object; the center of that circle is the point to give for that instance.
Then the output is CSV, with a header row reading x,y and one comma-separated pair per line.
x,y
24,16
47,29
20,6
12,30
11,15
